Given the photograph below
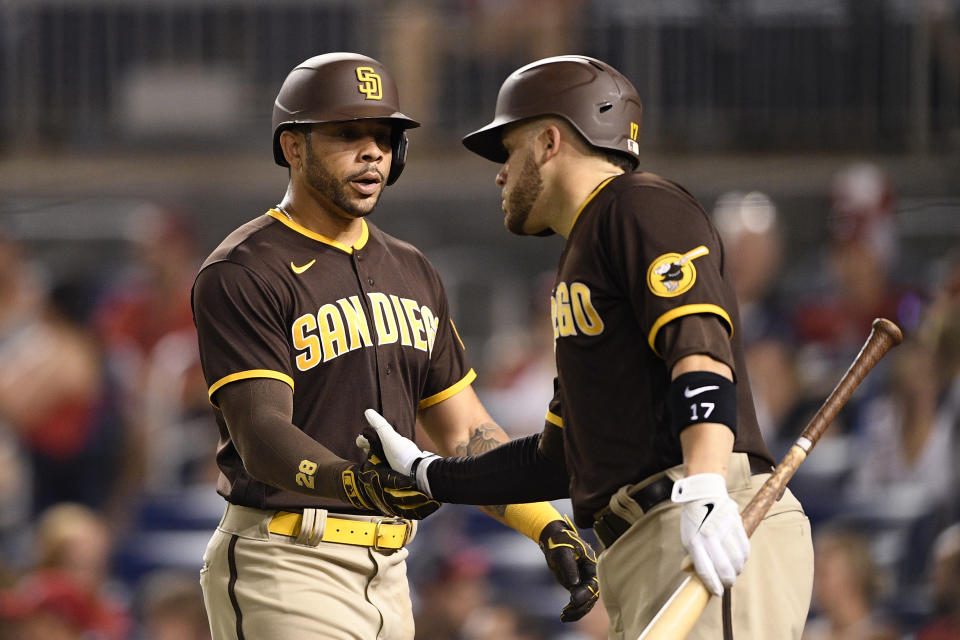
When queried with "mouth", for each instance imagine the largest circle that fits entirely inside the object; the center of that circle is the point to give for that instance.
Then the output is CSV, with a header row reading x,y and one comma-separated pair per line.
x,y
368,183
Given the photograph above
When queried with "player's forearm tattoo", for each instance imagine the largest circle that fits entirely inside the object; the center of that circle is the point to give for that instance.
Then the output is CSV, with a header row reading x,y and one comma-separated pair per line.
x,y
495,510
483,439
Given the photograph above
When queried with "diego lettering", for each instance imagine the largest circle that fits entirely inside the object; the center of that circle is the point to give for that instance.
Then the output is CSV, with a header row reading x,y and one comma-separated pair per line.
x,y
573,312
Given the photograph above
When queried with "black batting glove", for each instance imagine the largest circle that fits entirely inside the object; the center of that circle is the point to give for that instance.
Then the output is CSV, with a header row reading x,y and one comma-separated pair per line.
x,y
377,487
573,563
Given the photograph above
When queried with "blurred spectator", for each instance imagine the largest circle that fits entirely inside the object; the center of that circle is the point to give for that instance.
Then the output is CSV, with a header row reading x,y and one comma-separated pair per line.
x,y
75,541
484,35
74,544
452,589
522,366
904,455
593,626
67,592
748,224
52,392
146,325
945,588
753,254
172,607
862,253
846,589
153,299
47,606
500,622
941,329
905,479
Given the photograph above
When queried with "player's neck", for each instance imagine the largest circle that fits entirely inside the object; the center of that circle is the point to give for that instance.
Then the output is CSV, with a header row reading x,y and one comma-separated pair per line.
x,y
320,217
573,190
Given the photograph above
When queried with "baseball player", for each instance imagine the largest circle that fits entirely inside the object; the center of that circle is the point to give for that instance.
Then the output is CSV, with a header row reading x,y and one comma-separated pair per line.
x,y
652,429
307,315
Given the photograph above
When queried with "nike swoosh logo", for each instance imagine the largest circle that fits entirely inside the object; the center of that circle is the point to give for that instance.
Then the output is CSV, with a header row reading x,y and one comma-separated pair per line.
x,y
689,393
553,545
709,507
298,270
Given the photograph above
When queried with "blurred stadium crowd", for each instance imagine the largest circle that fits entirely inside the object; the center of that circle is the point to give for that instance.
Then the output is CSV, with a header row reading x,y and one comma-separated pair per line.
x,y
107,487
107,474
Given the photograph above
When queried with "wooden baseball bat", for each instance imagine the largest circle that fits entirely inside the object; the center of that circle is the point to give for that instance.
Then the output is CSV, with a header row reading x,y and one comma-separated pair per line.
x,y
682,610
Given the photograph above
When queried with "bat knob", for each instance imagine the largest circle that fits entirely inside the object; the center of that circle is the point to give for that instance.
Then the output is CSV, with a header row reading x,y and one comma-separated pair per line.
x,y
889,328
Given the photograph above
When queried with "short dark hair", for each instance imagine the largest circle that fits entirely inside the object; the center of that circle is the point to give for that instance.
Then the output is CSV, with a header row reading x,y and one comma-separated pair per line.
x,y
621,160
306,128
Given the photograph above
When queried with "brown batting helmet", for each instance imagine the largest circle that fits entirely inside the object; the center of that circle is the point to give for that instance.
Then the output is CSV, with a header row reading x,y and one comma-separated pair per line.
x,y
591,95
339,87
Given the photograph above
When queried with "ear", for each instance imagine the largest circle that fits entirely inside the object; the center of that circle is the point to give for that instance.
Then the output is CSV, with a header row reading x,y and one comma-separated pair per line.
x,y
548,143
293,144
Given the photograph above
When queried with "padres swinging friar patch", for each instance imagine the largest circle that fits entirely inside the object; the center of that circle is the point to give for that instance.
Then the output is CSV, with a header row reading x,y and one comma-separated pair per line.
x,y
672,273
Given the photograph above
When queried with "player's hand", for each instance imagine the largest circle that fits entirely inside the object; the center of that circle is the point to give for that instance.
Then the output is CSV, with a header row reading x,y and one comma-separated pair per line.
x,y
401,453
574,564
377,487
711,529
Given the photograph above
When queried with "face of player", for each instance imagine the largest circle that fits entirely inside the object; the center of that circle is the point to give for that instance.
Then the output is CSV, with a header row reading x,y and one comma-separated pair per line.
x,y
347,164
520,184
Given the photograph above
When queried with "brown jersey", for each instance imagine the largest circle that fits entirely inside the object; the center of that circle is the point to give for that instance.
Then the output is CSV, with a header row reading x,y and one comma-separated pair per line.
x,y
348,328
642,254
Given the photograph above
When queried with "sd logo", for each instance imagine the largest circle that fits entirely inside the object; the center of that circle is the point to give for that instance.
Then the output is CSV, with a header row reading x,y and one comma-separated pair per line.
x,y
370,85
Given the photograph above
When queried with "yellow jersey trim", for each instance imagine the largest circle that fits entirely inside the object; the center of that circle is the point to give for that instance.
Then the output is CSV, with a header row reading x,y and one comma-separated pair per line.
x,y
246,375
360,243
457,335
686,310
593,194
449,392
554,419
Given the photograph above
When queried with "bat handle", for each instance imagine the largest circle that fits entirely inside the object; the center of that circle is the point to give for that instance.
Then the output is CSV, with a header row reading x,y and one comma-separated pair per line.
x,y
680,613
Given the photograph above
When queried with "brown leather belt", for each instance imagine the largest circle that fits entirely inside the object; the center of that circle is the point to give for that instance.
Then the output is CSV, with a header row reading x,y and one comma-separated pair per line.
x,y
608,526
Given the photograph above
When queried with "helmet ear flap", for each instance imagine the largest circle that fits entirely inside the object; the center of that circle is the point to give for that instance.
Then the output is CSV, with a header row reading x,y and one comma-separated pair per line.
x,y
278,156
399,145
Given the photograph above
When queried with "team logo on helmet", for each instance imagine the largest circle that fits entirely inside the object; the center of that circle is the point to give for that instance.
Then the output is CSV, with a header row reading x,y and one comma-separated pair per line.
x,y
672,273
370,84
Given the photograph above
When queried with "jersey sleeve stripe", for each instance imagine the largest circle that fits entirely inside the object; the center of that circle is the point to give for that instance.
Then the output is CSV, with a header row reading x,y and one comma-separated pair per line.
x,y
449,391
245,375
554,419
686,310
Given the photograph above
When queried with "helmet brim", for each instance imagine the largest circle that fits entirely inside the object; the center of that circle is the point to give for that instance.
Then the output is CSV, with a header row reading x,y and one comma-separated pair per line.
x,y
487,142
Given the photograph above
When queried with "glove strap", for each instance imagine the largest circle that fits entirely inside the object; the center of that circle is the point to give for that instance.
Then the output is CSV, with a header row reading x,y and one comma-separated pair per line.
x,y
352,489
697,486
419,471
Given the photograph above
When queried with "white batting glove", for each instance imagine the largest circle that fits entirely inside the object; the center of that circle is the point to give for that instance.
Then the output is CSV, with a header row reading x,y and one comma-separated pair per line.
x,y
402,454
711,529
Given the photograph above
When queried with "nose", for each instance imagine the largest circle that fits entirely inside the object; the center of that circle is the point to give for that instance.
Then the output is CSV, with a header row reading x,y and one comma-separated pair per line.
x,y
371,150
501,176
